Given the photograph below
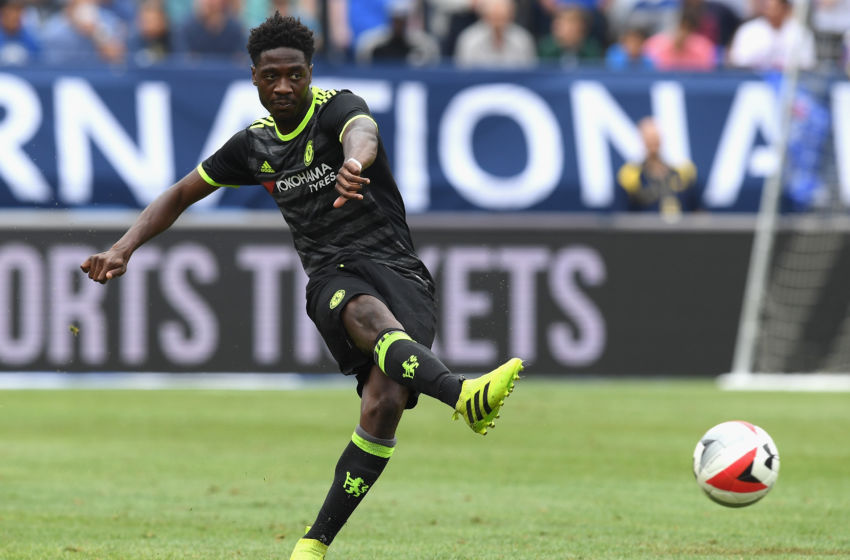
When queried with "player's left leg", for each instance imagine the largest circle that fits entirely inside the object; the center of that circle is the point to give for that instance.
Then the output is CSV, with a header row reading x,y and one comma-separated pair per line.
x,y
361,463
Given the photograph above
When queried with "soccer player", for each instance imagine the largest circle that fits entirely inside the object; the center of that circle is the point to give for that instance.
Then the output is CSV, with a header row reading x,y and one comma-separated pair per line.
x,y
320,157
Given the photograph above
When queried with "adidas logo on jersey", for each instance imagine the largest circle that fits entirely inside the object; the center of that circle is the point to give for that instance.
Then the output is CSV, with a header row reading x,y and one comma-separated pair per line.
x,y
266,168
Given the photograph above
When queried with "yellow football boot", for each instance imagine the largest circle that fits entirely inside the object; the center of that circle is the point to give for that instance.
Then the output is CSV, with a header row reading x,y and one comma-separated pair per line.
x,y
309,549
482,398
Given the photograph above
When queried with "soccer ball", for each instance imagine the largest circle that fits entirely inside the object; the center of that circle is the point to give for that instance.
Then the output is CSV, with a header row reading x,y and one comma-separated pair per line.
x,y
736,463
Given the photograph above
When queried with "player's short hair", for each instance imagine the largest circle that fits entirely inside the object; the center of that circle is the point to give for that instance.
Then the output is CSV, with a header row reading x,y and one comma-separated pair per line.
x,y
281,31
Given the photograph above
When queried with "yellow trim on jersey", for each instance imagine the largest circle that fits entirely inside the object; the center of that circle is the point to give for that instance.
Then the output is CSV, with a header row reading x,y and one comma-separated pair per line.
x,y
265,121
319,97
354,118
300,127
322,95
209,179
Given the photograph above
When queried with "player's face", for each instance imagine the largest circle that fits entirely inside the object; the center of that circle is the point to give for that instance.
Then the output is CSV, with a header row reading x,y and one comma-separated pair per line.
x,y
282,77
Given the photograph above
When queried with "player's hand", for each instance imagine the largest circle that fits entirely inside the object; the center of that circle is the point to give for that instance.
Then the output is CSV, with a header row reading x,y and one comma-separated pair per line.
x,y
105,266
349,183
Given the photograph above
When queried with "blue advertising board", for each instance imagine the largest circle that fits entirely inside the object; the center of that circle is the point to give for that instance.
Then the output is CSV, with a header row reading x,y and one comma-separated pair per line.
x,y
536,140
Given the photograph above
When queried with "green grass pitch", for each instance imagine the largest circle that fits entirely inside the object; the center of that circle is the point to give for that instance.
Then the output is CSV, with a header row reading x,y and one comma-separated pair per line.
x,y
573,470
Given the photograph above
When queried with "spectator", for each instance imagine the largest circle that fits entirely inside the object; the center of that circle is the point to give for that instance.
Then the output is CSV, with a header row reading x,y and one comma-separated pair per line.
x,y
447,19
495,41
743,9
212,31
654,16
255,12
682,48
715,21
178,10
37,11
846,56
596,22
19,43
772,40
349,19
83,32
150,37
627,53
806,154
569,44
654,185
125,10
399,41
830,21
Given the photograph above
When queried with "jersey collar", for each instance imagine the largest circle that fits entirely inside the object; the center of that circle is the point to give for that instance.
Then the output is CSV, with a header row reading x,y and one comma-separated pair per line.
x,y
304,121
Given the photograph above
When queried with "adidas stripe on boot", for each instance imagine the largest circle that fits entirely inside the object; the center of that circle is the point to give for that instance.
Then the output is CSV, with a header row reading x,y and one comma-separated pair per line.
x,y
482,398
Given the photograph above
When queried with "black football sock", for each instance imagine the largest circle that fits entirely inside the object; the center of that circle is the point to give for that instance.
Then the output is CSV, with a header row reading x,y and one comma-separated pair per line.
x,y
414,365
359,466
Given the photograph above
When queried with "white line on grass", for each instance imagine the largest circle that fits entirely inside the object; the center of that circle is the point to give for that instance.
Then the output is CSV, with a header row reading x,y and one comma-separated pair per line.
x,y
166,381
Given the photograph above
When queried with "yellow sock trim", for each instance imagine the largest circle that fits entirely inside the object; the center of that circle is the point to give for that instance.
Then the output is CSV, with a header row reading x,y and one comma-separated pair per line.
x,y
384,344
372,448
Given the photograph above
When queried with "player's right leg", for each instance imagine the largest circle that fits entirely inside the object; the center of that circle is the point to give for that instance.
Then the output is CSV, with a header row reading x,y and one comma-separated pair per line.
x,y
478,401
361,463
414,365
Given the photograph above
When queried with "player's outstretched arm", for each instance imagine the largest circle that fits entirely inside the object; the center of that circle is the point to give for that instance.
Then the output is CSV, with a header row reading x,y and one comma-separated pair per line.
x,y
360,146
156,218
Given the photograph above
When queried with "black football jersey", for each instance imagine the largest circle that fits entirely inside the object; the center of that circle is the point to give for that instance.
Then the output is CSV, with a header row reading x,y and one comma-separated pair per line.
x,y
299,171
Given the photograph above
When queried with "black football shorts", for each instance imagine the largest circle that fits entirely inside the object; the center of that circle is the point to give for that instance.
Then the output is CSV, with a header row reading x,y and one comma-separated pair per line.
x,y
409,297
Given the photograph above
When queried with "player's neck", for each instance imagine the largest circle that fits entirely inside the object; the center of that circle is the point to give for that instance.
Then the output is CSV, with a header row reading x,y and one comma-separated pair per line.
x,y
289,125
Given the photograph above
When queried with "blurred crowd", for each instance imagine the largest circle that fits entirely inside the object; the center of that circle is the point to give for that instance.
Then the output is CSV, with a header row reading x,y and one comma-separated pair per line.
x,y
682,35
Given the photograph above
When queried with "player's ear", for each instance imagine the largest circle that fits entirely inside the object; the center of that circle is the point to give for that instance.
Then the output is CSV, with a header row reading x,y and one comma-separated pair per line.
x,y
254,74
